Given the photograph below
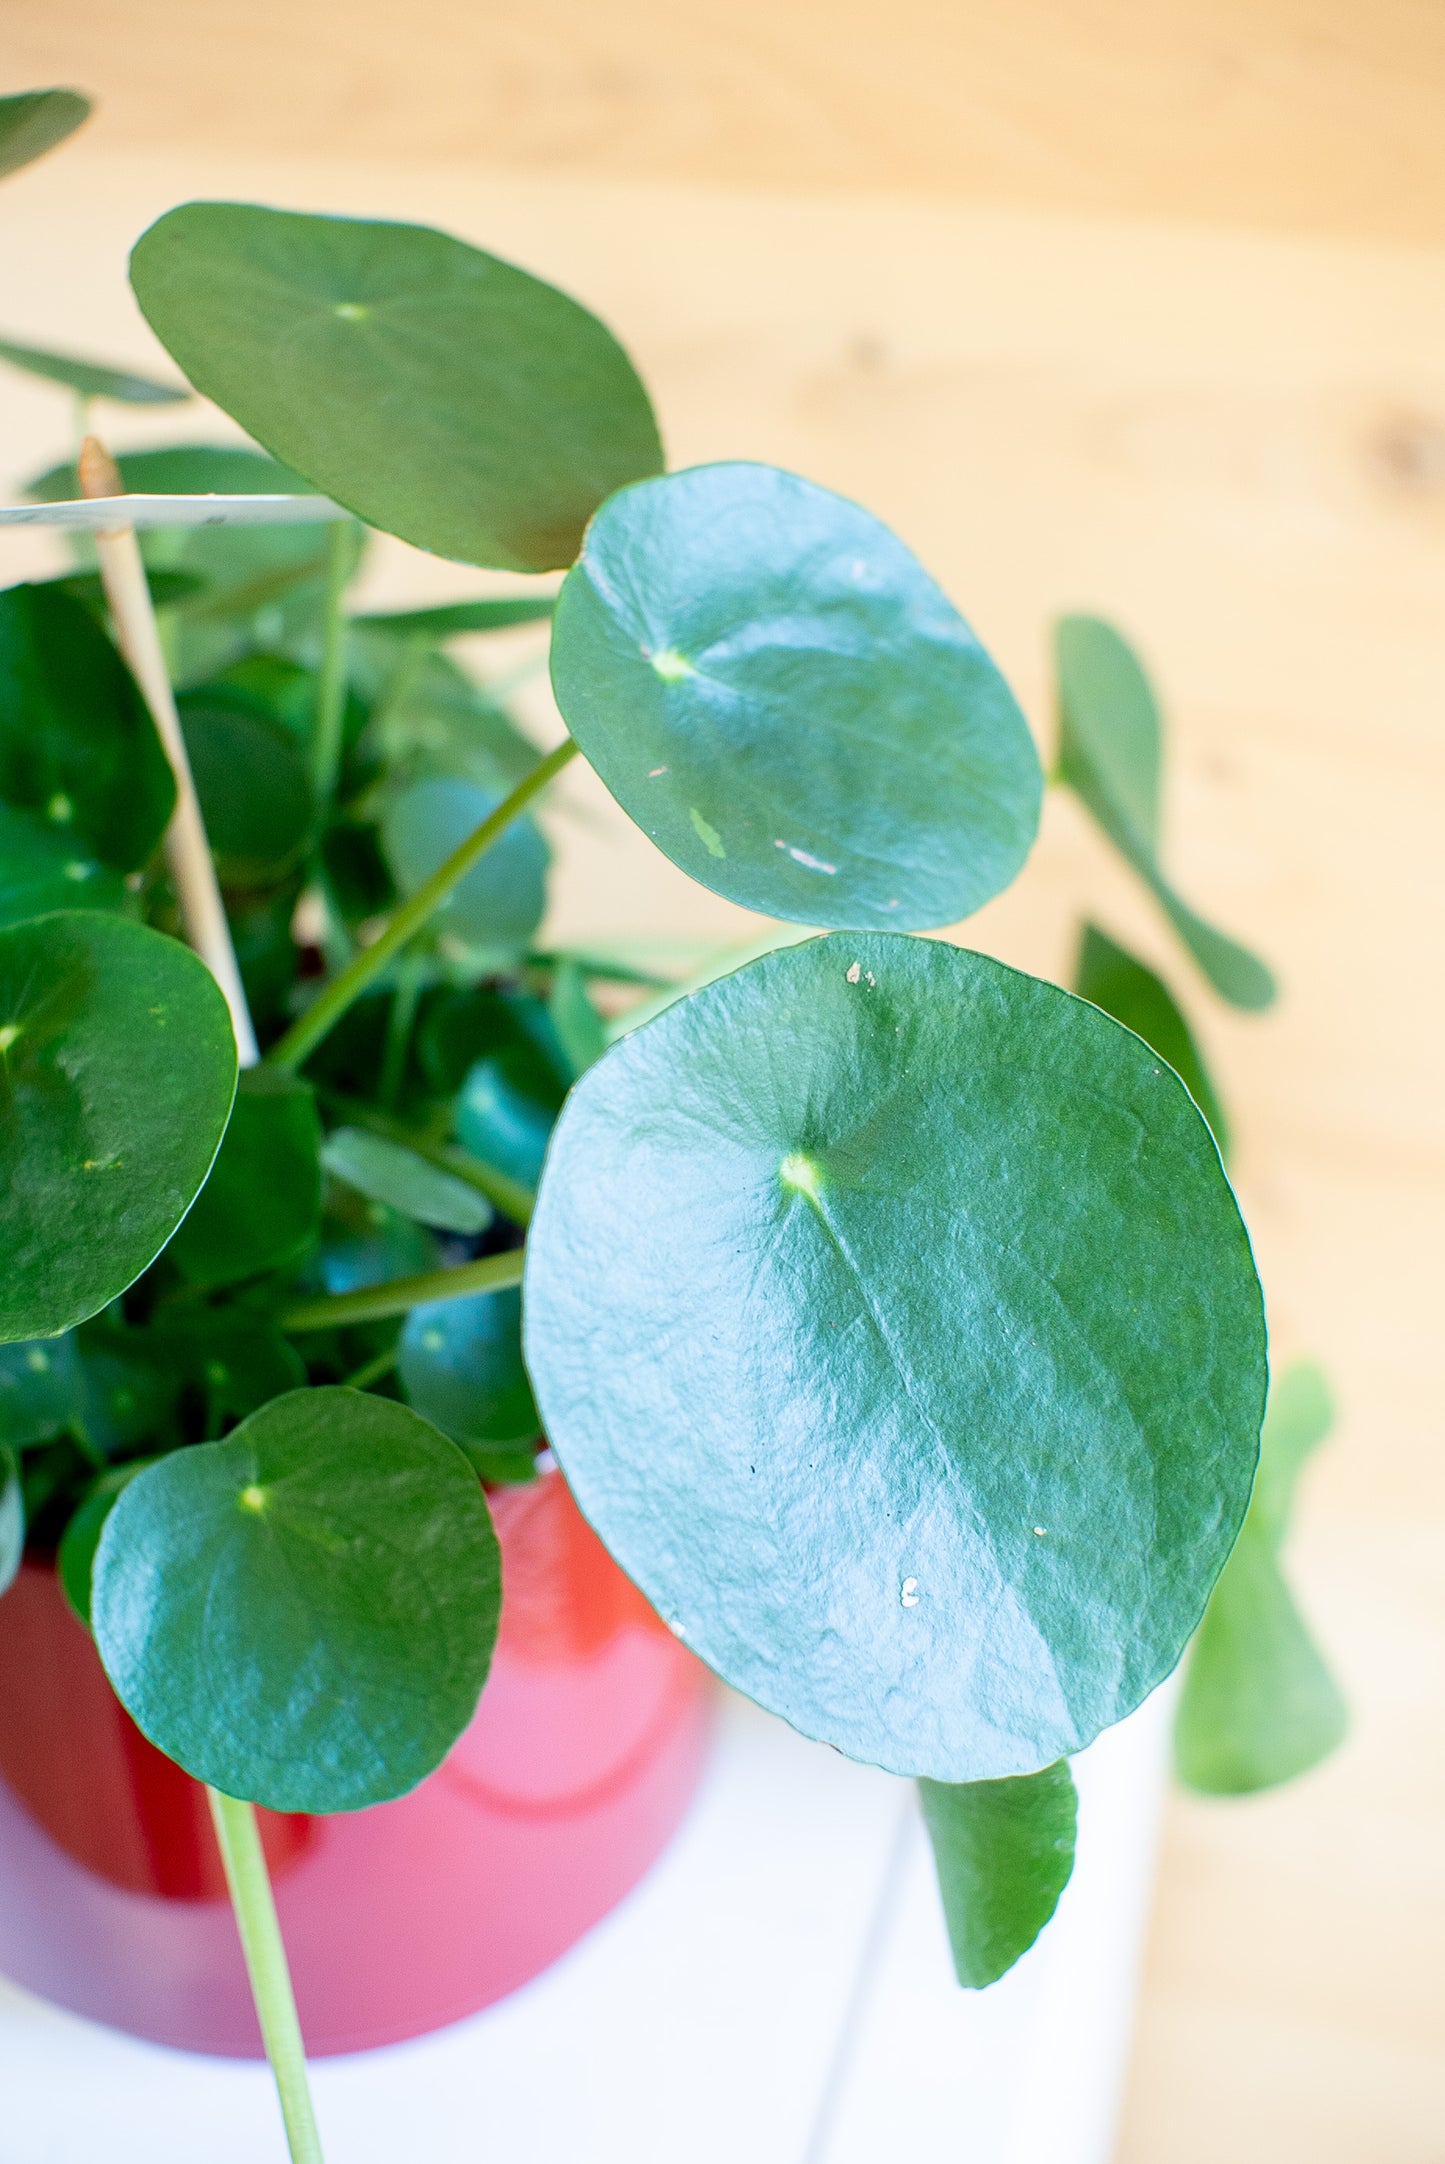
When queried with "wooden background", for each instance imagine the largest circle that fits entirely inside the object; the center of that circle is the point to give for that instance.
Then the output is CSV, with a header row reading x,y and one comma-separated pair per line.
x,y
1103,304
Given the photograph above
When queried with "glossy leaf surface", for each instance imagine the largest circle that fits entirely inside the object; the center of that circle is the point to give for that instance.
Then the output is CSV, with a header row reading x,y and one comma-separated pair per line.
x,y
496,908
953,1519
439,393
1259,1704
1110,739
34,121
118,1071
12,1516
44,866
304,1614
1003,1851
460,1364
262,1201
389,1172
92,379
773,687
76,742
1112,978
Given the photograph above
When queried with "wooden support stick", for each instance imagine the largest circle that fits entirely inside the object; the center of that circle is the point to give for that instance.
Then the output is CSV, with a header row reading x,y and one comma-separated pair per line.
x,y
188,852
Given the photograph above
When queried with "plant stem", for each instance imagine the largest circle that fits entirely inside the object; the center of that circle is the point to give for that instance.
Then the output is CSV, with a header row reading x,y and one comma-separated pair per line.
x,y
326,1010
373,1303
188,852
410,976
239,1838
331,687
511,1197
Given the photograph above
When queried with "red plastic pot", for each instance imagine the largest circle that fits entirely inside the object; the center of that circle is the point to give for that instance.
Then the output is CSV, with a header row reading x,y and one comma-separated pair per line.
x,y
581,1760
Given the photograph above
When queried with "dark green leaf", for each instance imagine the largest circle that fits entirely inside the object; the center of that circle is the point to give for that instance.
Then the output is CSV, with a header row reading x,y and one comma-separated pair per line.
x,y
1259,1705
130,1393
262,1202
167,588
460,1364
92,379
12,1517
304,1614
44,867
1116,981
437,392
430,718
373,1246
468,1026
358,879
389,1172
34,121
773,687
1004,1851
506,1110
236,1359
497,907
953,1518
75,1557
39,1390
119,1066
581,1031
268,956
76,742
1110,738
252,780
451,619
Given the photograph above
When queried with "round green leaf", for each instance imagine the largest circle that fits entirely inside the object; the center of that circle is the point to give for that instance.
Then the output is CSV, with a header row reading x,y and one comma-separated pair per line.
x,y
303,1615
773,687
1004,1852
895,1325
252,780
117,1069
76,742
460,1363
34,121
39,1390
506,1110
262,1202
439,393
75,1557
497,907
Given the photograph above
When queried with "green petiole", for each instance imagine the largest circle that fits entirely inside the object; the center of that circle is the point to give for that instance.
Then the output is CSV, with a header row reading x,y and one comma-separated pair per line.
x,y
373,1303
331,1004
239,1839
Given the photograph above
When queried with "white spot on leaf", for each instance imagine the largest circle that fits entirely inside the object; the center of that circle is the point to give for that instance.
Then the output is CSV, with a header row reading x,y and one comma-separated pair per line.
x,y
908,1597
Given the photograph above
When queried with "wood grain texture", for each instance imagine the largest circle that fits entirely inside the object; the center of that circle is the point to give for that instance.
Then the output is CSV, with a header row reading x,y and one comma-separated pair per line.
x,y
1316,114
1235,444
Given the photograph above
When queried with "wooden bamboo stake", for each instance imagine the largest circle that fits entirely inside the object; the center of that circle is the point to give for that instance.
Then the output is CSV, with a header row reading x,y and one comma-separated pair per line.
x,y
188,852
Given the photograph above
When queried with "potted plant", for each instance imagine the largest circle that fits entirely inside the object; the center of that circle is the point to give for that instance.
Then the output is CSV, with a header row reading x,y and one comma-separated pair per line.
x,y
888,1312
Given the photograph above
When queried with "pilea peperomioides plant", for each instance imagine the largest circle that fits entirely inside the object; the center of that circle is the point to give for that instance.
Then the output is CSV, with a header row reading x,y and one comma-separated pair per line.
x,y
889,1311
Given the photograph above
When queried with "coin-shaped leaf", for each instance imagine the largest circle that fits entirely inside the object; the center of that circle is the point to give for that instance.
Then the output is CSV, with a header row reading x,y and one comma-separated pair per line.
x,y
251,777
894,1323
460,1363
43,867
117,1070
496,908
389,1172
34,121
303,1614
773,687
1110,753
76,742
1004,1852
439,393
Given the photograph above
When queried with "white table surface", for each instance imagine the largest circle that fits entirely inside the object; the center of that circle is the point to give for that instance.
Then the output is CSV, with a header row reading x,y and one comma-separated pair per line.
x,y
777,1991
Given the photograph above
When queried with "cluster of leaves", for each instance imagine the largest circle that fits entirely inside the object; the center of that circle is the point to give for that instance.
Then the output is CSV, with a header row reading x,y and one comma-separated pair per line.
x,y
889,1311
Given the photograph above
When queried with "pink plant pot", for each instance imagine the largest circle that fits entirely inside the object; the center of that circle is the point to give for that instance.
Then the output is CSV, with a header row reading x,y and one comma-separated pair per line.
x,y
583,1756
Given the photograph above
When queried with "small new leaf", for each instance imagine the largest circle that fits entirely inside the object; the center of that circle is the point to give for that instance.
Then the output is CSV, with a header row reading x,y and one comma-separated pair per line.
x,y
1123,986
1004,1851
1110,750
34,121
1259,1705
